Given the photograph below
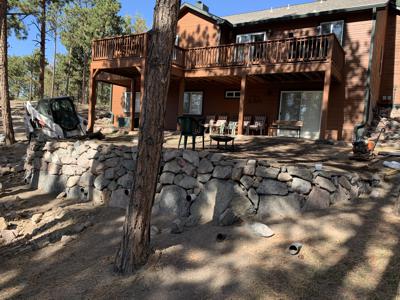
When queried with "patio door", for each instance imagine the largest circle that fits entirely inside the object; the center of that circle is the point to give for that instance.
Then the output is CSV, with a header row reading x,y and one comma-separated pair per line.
x,y
301,106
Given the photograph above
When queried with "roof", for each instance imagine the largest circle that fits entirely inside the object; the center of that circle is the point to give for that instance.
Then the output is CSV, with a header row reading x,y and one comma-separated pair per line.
x,y
304,10
207,14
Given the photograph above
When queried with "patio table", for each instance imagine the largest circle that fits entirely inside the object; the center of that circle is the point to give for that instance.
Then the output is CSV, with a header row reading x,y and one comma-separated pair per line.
x,y
224,139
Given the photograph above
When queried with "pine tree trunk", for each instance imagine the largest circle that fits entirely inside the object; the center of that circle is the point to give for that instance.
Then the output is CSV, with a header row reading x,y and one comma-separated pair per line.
x,y
135,246
4,93
84,79
42,48
54,64
68,73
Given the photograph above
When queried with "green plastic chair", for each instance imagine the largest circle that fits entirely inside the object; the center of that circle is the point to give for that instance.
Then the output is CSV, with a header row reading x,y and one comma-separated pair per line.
x,y
189,126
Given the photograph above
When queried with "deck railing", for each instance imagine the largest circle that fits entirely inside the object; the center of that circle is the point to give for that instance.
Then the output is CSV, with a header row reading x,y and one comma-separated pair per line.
x,y
290,50
119,47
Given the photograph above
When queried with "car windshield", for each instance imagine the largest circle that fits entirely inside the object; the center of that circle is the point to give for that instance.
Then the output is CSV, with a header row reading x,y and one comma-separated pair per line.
x,y
64,113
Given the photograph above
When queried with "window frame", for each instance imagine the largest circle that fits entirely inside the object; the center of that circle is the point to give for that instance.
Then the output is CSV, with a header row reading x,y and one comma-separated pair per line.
x,y
190,112
332,23
235,94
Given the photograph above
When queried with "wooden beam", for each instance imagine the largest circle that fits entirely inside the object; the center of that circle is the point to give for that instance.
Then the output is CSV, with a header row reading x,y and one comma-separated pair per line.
x,y
181,95
132,107
92,99
325,104
243,84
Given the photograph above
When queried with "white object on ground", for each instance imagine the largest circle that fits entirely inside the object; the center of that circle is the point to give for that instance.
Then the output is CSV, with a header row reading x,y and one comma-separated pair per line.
x,y
318,167
392,164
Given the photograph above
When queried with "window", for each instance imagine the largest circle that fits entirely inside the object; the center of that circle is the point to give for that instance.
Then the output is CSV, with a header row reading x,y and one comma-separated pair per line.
x,y
251,37
127,102
193,103
335,27
232,94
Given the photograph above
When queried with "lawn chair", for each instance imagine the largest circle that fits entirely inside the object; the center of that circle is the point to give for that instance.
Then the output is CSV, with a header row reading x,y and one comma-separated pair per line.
x,y
190,127
220,125
246,124
259,124
232,125
210,119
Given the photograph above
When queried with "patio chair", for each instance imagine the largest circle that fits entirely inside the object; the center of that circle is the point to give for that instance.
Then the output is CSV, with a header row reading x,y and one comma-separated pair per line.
x,y
259,124
246,124
190,127
220,124
232,125
209,121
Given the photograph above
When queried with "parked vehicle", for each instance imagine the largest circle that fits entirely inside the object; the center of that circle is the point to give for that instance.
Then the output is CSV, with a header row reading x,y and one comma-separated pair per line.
x,y
55,118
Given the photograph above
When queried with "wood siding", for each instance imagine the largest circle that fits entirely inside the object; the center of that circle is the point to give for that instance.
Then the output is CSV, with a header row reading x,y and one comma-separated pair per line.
x,y
195,31
390,84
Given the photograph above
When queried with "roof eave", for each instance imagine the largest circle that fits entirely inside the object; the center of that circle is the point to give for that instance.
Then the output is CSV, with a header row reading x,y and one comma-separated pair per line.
x,y
294,17
216,19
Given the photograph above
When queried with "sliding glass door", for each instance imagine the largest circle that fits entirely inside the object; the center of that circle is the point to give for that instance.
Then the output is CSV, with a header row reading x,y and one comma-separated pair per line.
x,y
301,106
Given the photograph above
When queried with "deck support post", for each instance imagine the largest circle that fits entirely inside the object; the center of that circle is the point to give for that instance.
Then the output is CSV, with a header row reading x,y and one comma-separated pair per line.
x,y
181,96
92,99
243,84
132,107
325,103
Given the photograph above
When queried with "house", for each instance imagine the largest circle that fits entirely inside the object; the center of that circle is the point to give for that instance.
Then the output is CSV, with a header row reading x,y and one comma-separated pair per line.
x,y
326,62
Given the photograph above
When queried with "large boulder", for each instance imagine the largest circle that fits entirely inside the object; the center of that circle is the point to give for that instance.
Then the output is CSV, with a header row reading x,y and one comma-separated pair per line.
x,y
266,172
279,206
192,157
185,181
318,199
272,187
222,172
212,201
302,173
325,183
301,186
119,198
205,166
172,202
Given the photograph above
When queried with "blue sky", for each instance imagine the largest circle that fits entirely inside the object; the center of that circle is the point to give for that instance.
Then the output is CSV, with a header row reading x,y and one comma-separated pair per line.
x,y
145,8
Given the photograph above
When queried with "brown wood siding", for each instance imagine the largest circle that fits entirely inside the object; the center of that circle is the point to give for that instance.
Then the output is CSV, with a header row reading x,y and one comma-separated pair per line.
x,y
379,50
195,31
390,84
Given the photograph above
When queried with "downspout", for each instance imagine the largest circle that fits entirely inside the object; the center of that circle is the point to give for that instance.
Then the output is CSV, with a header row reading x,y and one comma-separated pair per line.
x,y
359,129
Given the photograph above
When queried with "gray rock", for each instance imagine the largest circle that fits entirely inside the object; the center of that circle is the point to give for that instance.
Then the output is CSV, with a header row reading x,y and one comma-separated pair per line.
x,y
279,206
253,196
9,235
324,183
204,153
172,202
237,173
301,186
119,198
344,182
84,162
247,181
128,164
154,230
318,199
101,182
112,162
177,226
109,173
112,186
51,183
86,179
227,218
171,154
272,187
192,157
189,170
3,224
222,172
185,181
212,201
172,166
250,168
167,178
302,173
72,181
53,169
241,205
61,195
99,197
203,178
68,170
265,172
205,166
340,196
285,177
216,157
259,229
126,181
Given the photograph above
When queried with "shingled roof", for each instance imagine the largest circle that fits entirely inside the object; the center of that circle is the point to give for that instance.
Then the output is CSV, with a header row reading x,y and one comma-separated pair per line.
x,y
303,10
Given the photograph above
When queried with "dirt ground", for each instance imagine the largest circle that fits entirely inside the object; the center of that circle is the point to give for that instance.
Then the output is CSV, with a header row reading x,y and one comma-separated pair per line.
x,y
349,252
